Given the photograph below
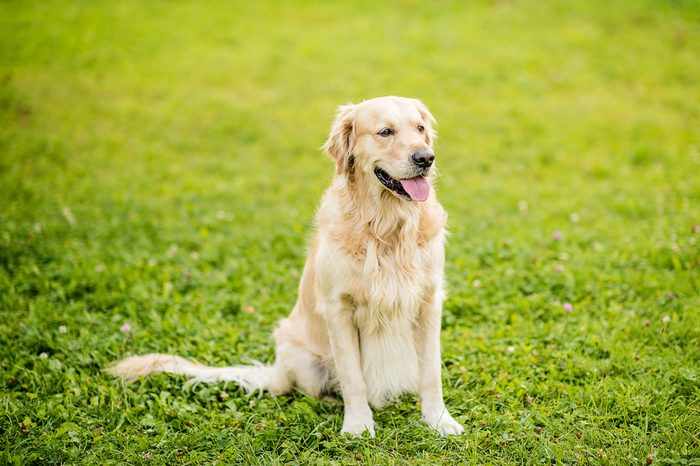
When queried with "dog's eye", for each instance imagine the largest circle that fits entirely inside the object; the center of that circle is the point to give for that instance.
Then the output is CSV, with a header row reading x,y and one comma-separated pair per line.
x,y
421,128
386,132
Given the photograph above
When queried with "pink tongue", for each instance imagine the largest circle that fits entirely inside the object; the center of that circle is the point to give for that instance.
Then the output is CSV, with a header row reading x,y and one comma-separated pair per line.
x,y
417,188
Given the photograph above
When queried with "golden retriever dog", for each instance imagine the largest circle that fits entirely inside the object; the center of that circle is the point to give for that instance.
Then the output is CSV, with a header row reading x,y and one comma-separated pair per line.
x,y
366,322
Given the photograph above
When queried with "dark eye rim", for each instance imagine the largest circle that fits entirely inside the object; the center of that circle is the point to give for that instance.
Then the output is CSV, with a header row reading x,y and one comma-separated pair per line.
x,y
421,128
386,132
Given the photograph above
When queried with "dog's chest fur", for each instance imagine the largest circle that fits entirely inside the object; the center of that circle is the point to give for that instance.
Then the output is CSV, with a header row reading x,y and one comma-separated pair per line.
x,y
394,263
394,283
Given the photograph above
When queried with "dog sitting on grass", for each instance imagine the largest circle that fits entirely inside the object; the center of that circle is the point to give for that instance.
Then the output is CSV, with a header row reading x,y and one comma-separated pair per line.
x,y
366,322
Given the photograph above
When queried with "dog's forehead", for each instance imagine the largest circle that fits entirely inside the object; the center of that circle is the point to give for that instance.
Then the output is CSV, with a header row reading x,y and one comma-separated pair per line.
x,y
385,110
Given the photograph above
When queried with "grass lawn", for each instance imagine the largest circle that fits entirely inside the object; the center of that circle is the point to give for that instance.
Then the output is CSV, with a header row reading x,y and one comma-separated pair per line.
x,y
159,167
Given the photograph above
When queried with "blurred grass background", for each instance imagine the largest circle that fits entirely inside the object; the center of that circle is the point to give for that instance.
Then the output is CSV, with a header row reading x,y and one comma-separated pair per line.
x,y
159,167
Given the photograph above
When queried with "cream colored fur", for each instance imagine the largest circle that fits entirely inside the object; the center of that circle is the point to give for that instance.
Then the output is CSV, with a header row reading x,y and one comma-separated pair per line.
x,y
367,319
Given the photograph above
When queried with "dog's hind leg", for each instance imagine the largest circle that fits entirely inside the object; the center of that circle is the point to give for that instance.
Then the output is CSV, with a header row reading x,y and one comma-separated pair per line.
x,y
301,367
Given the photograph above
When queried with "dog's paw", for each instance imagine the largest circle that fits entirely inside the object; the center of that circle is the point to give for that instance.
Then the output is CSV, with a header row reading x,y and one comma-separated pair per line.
x,y
444,423
357,426
356,430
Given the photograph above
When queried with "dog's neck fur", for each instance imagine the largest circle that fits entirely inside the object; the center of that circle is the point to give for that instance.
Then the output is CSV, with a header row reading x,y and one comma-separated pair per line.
x,y
394,223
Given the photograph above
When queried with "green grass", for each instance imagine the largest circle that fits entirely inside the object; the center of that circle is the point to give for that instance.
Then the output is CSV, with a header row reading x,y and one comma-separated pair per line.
x,y
159,166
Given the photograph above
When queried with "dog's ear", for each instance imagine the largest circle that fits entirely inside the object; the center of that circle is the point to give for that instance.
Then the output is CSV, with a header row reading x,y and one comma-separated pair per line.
x,y
430,133
342,138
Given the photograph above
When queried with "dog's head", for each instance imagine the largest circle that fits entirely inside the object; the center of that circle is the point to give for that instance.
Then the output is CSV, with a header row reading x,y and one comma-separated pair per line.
x,y
388,140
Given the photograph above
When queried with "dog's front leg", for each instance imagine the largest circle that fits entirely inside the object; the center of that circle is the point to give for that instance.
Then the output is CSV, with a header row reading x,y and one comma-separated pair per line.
x,y
428,344
345,345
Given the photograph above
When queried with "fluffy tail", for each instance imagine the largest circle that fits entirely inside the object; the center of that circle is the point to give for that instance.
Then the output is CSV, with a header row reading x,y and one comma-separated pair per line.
x,y
251,378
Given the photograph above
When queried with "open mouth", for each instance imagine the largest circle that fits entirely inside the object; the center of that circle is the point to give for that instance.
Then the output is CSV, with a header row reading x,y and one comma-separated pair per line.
x,y
412,189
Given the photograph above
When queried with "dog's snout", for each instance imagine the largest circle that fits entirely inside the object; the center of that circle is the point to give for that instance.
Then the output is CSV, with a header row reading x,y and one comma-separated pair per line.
x,y
423,158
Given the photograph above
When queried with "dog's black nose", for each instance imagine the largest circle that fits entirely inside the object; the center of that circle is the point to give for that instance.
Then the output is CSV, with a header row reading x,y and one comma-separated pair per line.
x,y
423,158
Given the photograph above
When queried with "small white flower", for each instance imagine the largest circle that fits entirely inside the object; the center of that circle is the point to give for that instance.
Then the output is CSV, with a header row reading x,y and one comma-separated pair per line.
x,y
43,356
476,283
511,349
522,207
666,319
62,329
68,215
